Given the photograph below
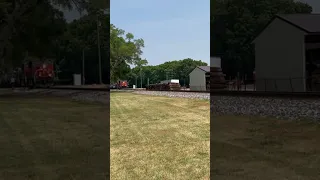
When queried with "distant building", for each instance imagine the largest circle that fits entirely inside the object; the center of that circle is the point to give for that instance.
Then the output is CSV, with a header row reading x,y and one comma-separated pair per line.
x,y
200,78
280,52
170,81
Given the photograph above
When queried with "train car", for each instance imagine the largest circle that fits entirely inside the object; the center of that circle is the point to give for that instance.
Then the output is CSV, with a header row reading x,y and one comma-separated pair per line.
x,y
38,74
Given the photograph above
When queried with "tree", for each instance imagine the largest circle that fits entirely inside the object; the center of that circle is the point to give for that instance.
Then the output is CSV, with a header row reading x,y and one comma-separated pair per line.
x,y
124,49
236,22
14,13
70,45
33,35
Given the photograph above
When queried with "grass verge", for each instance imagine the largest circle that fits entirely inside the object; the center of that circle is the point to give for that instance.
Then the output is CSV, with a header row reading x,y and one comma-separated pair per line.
x,y
155,137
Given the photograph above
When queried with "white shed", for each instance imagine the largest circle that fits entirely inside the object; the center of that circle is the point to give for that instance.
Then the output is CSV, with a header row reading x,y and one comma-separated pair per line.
x,y
284,49
200,78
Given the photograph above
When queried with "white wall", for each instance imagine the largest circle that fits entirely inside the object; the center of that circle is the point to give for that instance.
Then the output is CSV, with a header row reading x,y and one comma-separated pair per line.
x,y
215,62
197,80
280,54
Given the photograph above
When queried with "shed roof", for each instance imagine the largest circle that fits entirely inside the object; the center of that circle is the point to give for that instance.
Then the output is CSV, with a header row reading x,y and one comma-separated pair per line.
x,y
308,23
204,68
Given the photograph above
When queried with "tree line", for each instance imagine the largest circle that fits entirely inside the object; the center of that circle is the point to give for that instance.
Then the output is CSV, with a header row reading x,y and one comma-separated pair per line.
x,y
177,69
234,24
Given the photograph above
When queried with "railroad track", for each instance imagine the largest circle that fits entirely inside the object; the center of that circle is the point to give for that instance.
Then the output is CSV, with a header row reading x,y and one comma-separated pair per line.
x,y
79,88
186,91
304,95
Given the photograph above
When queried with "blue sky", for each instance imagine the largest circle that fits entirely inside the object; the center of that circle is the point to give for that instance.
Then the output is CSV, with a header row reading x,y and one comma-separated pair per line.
x,y
171,29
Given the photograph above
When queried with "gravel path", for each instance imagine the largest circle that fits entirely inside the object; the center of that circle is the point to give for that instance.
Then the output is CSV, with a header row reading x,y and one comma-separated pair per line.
x,y
176,94
292,109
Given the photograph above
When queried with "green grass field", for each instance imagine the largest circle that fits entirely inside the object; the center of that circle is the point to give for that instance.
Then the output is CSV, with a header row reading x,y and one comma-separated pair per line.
x,y
52,139
168,138
156,137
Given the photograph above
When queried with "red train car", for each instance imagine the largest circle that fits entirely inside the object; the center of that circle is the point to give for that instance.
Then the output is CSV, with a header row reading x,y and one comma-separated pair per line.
x,y
39,74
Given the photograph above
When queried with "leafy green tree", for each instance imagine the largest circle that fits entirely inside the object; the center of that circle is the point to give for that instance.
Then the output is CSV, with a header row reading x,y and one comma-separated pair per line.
x,y
124,50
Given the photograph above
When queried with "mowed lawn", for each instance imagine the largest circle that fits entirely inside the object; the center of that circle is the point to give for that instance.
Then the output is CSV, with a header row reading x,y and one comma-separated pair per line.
x,y
263,149
52,139
156,137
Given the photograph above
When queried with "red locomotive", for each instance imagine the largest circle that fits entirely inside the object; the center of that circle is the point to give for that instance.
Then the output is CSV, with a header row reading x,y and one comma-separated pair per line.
x,y
120,85
123,84
37,74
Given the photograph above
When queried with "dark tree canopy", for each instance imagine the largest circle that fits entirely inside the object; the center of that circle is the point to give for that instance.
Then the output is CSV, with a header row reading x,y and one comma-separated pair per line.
x,y
38,29
32,26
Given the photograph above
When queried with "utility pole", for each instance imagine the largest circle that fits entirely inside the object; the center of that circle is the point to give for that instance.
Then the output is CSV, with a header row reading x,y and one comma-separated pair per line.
x,y
140,77
83,79
99,53
83,66
137,81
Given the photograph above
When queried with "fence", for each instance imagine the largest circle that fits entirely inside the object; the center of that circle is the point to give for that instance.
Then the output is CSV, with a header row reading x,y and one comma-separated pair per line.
x,y
275,85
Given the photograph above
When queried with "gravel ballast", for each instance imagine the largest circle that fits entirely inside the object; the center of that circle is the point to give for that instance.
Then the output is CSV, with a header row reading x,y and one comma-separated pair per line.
x,y
176,94
293,109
